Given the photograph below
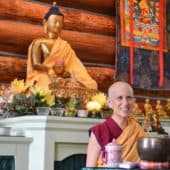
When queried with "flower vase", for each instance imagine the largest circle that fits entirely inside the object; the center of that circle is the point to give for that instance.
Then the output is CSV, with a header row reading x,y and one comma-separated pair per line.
x,y
94,114
43,110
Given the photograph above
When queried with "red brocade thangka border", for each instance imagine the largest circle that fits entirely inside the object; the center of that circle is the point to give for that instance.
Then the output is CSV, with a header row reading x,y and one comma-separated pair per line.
x,y
143,26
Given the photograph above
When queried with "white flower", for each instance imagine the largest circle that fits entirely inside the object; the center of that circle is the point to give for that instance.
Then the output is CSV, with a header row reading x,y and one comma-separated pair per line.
x,y
93,106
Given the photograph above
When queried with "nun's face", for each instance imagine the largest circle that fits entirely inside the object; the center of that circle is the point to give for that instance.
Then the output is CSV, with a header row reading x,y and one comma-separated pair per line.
x,y
54,24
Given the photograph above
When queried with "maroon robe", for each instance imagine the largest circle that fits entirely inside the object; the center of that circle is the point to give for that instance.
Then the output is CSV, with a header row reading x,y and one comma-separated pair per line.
x,y
106,131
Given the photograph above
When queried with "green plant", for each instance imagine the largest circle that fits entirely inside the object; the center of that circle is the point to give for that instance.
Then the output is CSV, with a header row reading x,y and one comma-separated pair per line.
x,y
26,103
72,105
20,105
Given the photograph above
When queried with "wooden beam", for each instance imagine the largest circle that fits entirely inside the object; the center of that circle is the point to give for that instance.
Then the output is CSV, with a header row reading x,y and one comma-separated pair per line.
x,y
13,67
33,12
16,36
100,6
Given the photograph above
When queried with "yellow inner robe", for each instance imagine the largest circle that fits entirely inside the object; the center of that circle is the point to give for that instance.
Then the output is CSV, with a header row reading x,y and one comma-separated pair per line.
x,y
128,139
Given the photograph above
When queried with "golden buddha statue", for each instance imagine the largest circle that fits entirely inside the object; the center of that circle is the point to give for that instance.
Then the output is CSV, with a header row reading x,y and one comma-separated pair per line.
x,y
148,108
136,110
167,106
156,125
147,124
160,109
44,55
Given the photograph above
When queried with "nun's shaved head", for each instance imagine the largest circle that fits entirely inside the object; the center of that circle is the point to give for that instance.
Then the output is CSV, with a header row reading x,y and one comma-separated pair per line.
x,y
118,86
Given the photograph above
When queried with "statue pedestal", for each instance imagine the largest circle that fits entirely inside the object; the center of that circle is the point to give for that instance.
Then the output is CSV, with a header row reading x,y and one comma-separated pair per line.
x,y
82,93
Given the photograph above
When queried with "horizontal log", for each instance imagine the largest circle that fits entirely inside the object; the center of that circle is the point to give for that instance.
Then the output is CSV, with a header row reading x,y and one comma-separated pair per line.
x,y
12,67
99,6
77,20
16,36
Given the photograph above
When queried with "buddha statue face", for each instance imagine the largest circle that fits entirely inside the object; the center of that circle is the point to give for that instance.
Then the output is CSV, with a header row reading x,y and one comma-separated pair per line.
x,y
53,25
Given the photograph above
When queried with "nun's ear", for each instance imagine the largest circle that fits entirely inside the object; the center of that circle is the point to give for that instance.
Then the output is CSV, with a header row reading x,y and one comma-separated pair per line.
x,y
45,26
109,103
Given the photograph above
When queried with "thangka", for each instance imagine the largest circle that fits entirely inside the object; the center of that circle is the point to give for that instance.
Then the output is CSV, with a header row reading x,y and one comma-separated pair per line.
x,y
145,23
143,27
142,56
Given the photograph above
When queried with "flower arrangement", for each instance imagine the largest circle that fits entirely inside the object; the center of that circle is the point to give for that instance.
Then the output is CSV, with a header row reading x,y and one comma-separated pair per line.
x,y
22,101
97,105
19,100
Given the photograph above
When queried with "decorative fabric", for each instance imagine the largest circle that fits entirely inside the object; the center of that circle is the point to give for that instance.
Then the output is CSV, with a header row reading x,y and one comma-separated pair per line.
x,y
153,165
141,19
73,65
141,54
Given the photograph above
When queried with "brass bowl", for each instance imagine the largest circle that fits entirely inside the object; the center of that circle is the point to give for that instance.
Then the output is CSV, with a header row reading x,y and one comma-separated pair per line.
x,y
156,149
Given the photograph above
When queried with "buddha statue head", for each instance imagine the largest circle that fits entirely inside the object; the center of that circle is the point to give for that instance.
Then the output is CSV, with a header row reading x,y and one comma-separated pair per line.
x,y
53,22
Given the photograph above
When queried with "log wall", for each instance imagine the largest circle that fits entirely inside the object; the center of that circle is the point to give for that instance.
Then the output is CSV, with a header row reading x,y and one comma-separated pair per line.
x,y
89,27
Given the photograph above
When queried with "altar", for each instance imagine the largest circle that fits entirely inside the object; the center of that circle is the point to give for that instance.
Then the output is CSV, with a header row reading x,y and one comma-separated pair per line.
x,y
53,138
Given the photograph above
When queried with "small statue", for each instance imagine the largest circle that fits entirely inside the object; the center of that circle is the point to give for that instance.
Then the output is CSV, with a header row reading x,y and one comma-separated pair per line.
x,y
148,108
44,52
155,121
136,110
147,124
156,125
160,110
167,106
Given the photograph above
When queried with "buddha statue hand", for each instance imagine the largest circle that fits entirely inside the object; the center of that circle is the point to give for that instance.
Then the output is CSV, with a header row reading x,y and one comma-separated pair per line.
x,y
40,67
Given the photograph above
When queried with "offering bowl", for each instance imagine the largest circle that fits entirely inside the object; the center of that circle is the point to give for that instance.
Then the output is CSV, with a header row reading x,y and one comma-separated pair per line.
x,y
156,149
